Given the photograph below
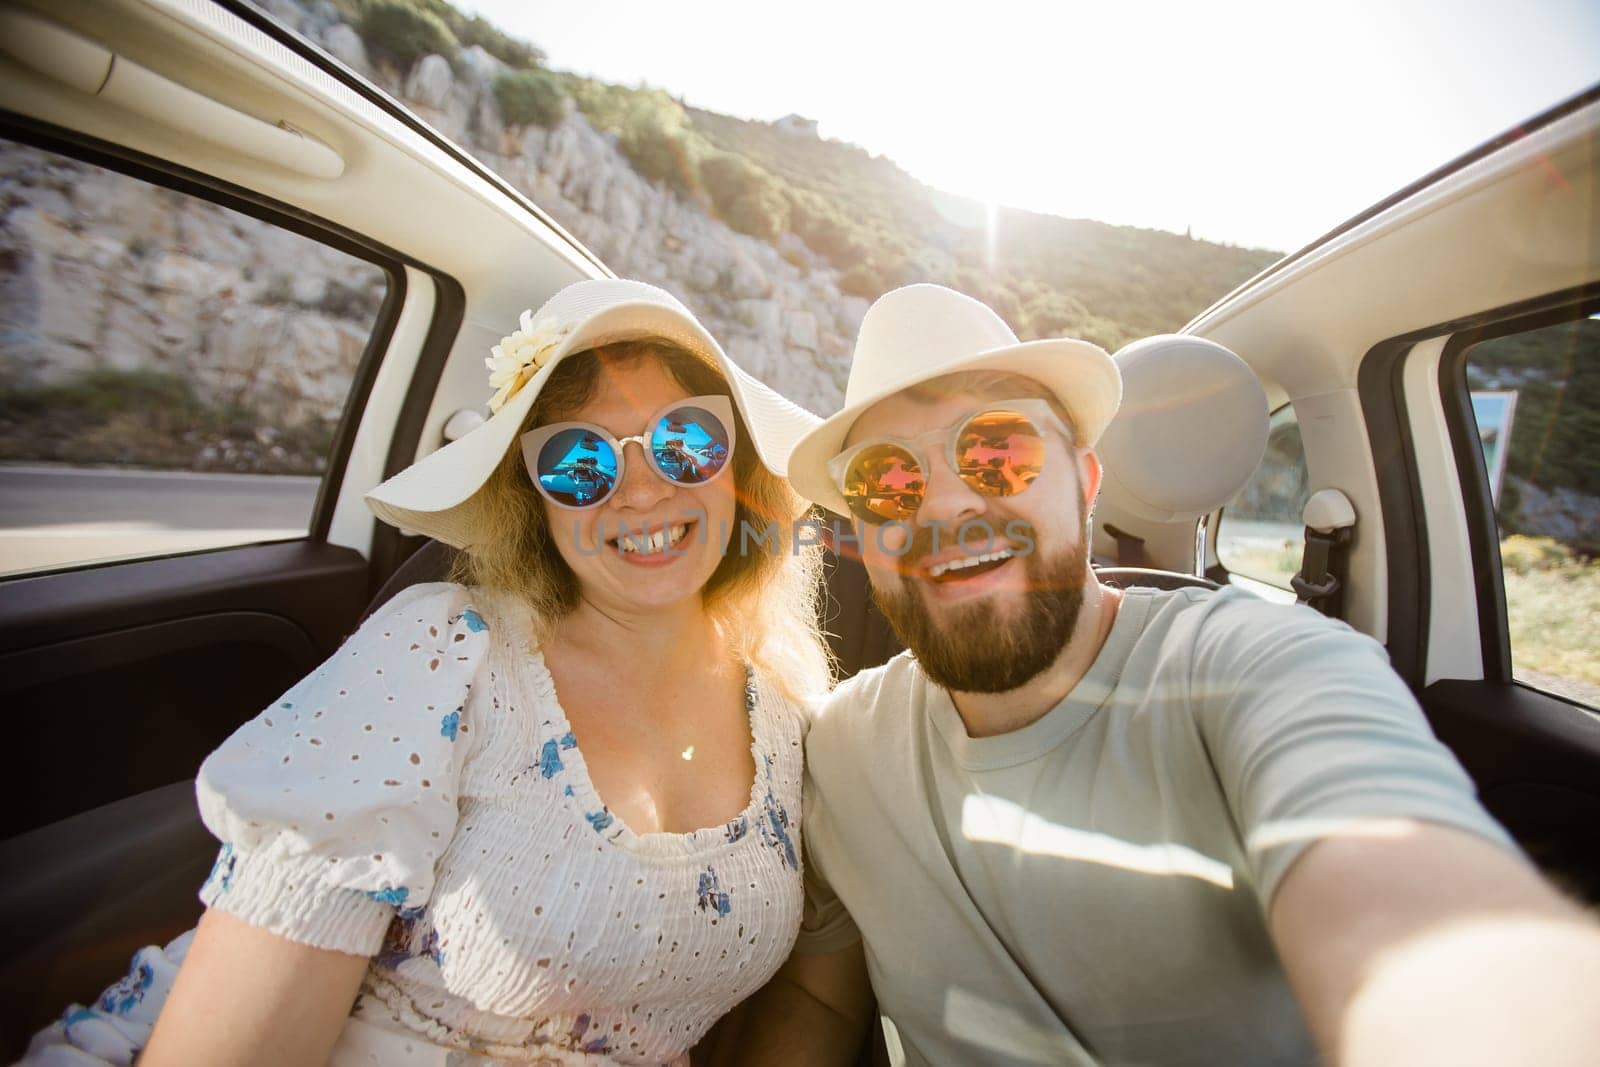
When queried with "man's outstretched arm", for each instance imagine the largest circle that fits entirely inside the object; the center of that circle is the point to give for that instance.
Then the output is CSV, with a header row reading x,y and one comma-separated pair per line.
x,y
1417,943
813,1013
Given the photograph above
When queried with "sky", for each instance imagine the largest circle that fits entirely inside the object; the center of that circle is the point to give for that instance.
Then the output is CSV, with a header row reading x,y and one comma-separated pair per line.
x,y
1257,124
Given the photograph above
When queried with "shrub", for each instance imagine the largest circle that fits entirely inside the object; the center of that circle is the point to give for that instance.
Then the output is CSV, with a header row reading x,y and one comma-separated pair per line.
x,y
511,51
658,150
530,96
826,232
107,391
403,33
474,30
864,280
651,128
1523,555
744,196
359,303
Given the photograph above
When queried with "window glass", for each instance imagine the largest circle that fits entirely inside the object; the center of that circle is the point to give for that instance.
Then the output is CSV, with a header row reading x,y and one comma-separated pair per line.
x,y
1261,534
171,371
1536,398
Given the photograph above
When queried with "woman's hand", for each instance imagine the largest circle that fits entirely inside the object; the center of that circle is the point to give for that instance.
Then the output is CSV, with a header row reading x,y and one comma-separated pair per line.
x,y
246,997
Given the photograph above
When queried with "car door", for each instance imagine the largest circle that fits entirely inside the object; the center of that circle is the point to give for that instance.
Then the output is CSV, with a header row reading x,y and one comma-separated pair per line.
x,y
215,340
1498,497
1435,359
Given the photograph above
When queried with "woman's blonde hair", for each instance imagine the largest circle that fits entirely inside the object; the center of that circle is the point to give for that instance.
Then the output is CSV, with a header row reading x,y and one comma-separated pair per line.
x,y
765,601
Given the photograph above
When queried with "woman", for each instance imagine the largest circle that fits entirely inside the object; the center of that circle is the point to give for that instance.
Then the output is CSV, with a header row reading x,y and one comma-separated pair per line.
x,y
548,812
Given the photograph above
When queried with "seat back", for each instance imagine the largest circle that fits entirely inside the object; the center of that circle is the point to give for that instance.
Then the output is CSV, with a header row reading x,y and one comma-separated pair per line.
x,y
429,563
1189,434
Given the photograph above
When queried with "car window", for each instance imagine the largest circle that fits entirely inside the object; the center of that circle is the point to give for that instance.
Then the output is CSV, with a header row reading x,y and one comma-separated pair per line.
x,y
172,372
1536,401
1261,533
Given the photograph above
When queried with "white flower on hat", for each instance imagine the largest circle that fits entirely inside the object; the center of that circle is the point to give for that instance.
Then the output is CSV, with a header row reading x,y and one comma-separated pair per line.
x,y
520,354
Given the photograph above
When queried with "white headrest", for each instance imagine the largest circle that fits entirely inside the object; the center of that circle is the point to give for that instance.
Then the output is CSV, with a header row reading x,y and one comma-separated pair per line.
x,y
1190,432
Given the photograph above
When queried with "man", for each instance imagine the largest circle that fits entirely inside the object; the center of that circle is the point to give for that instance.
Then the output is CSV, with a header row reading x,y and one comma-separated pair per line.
x,y
1075,824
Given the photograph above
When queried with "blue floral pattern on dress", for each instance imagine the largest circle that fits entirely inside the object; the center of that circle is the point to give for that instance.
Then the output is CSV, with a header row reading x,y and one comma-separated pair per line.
x,y
222,869
400,940
550,759
598,819
129,990
775,825
450,725
709,895
394,895
430,946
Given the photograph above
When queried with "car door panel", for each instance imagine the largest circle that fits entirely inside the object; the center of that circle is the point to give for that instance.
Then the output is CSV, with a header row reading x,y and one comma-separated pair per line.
x,y
82,895
1536,761
121,678
1534,756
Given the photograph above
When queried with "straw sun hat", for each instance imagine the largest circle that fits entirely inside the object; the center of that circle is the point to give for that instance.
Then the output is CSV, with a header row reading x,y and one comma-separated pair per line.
x,y
921,332
436,496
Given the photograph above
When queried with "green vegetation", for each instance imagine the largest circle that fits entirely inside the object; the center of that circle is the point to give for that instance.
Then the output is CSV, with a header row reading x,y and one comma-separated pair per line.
x,y
881,228
744,196
652,130
860,213
476,30
148,418
1047,276
403,32
531,96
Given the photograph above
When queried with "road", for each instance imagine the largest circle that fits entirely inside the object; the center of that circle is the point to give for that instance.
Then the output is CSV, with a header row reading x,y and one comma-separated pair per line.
x,y
52,516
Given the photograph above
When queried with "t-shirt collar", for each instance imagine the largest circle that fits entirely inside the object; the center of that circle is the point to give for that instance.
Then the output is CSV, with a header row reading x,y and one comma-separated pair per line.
x,y
1060,722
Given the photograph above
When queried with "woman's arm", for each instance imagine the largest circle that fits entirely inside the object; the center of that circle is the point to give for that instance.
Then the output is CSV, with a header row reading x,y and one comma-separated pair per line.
x,y
246,997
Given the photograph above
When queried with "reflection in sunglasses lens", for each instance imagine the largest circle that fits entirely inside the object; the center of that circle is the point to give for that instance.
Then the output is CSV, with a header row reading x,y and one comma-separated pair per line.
x,y
999,453
882,483
689,445
577,468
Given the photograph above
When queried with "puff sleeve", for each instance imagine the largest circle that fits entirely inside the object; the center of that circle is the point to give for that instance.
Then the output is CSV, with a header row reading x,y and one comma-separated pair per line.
x,y
334,804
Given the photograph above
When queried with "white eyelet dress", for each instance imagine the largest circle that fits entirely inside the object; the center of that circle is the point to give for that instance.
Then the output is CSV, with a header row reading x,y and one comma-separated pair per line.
x,y
421,799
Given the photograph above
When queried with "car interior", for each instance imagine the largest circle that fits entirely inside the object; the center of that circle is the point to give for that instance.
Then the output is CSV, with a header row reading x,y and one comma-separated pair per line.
x,y
122,675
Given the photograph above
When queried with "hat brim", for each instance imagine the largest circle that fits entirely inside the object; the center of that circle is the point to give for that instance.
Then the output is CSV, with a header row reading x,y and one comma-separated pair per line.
x,y
1080,375
436,496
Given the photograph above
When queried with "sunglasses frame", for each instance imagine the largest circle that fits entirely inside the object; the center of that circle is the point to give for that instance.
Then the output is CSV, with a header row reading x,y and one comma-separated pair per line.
x,y
535,439
1035,410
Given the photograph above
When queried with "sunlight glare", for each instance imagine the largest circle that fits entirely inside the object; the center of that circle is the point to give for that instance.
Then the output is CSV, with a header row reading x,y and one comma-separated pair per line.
x,y
1002,822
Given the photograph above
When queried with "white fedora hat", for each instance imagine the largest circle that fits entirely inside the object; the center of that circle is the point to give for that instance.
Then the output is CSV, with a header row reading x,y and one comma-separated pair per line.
x,y
437,495
921,332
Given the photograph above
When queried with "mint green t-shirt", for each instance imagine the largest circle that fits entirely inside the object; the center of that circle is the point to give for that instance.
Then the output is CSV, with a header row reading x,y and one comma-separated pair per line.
x,y
1093,887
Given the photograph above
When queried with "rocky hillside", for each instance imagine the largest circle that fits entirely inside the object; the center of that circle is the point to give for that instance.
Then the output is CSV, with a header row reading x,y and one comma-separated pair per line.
x,y
143,327
777,239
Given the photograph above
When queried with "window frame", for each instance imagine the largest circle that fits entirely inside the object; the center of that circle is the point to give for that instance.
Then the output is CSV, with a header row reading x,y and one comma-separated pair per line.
x,y
160,173
1222,574
1409,578
1483,529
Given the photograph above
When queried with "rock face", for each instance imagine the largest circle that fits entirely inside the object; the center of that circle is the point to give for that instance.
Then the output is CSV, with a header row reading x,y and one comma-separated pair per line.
x,y
99,272
1565,514
789,325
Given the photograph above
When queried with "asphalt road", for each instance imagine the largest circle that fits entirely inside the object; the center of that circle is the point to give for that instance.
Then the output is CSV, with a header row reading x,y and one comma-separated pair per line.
x,y
54,516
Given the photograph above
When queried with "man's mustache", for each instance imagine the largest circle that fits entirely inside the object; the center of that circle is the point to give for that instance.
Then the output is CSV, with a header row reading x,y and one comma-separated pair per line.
x,y
982,535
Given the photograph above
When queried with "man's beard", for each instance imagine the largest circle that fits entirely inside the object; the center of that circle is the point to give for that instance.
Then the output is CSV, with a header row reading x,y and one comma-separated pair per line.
x,y
978,648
